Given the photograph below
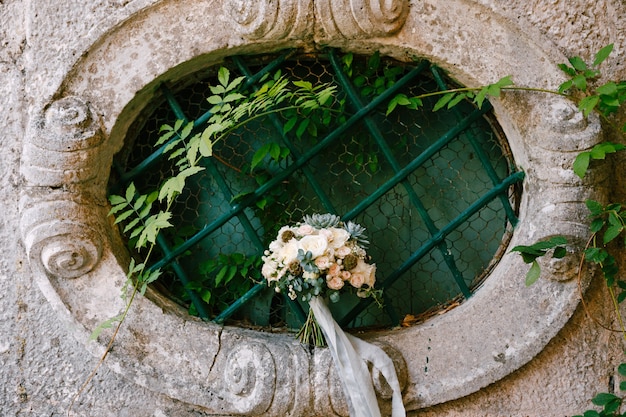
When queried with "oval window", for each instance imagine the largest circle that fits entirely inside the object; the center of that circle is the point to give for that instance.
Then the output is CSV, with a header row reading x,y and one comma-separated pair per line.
x,y
436,190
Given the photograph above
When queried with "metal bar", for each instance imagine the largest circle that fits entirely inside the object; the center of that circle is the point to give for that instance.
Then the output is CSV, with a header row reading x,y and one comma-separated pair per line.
x,y
292,168
415,200
416,163
158,153
484,159
182,276
294,152
434,240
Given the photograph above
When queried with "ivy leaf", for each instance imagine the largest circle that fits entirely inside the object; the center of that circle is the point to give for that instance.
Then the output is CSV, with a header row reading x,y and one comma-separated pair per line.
x,y
130,192
120,218
588,104
223,74
594,207
604,398
611,233
105,325
116,199
581,164
578,63
602,55
154,224
443,101
580,82
533,274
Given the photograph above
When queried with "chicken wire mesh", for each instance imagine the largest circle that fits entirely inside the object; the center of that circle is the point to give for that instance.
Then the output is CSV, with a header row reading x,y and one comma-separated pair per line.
x,y
223,265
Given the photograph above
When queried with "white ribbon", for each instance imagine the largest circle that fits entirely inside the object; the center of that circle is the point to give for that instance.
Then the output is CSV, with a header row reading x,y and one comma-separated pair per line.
x,y
350,355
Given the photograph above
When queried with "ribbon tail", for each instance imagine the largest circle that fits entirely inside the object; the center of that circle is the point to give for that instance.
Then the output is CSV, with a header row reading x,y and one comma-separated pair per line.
x,y
381,361
350,355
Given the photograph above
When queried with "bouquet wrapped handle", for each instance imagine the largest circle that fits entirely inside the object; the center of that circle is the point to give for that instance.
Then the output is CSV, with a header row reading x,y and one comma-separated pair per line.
x,y
350,355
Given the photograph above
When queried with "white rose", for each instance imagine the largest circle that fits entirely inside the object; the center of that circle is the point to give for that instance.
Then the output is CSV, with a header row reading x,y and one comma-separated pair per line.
x,y
268,270
276,245
340,237
327,234
315,244
288,253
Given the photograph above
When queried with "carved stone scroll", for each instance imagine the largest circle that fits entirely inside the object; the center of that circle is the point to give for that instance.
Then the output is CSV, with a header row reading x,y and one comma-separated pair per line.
x,y
59,236
269,18
246,378
63,145
361,19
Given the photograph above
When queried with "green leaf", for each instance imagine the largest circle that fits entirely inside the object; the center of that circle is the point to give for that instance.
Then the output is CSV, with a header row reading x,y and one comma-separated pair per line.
x,y
456,100
602,55
290,124
567,69
609,88
302,127
259,155
443,101
596,225
604,398
223,74
120,218
533,274
581,164
117,208
305,85
186,130
105,325
131,225
565,86
220,275
116,199
596,255
611,233
559,252
578,63
130,192
580,82
621,369
594,207
591,413
588,104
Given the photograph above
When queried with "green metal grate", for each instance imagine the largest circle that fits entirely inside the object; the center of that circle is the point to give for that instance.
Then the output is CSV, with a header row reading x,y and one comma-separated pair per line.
x,y
436,191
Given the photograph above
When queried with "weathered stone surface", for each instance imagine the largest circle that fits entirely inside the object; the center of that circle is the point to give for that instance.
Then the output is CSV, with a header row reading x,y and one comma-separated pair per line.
x,y
81,72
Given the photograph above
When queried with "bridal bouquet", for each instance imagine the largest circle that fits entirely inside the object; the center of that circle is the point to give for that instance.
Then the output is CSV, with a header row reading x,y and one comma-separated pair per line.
x,y
321,256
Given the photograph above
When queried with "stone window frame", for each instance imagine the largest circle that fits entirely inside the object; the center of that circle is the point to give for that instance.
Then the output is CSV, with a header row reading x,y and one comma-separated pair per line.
x,y
78,256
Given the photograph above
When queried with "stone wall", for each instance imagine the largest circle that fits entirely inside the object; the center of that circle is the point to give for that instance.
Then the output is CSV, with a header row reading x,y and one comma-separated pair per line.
x,y
70,58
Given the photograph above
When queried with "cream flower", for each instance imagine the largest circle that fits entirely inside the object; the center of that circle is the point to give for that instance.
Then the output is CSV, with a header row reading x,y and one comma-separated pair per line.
x,y
334,270
323,262
343,251
357,280
315,244
335,283
288,252
269,270
367,271
305,230
340,237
